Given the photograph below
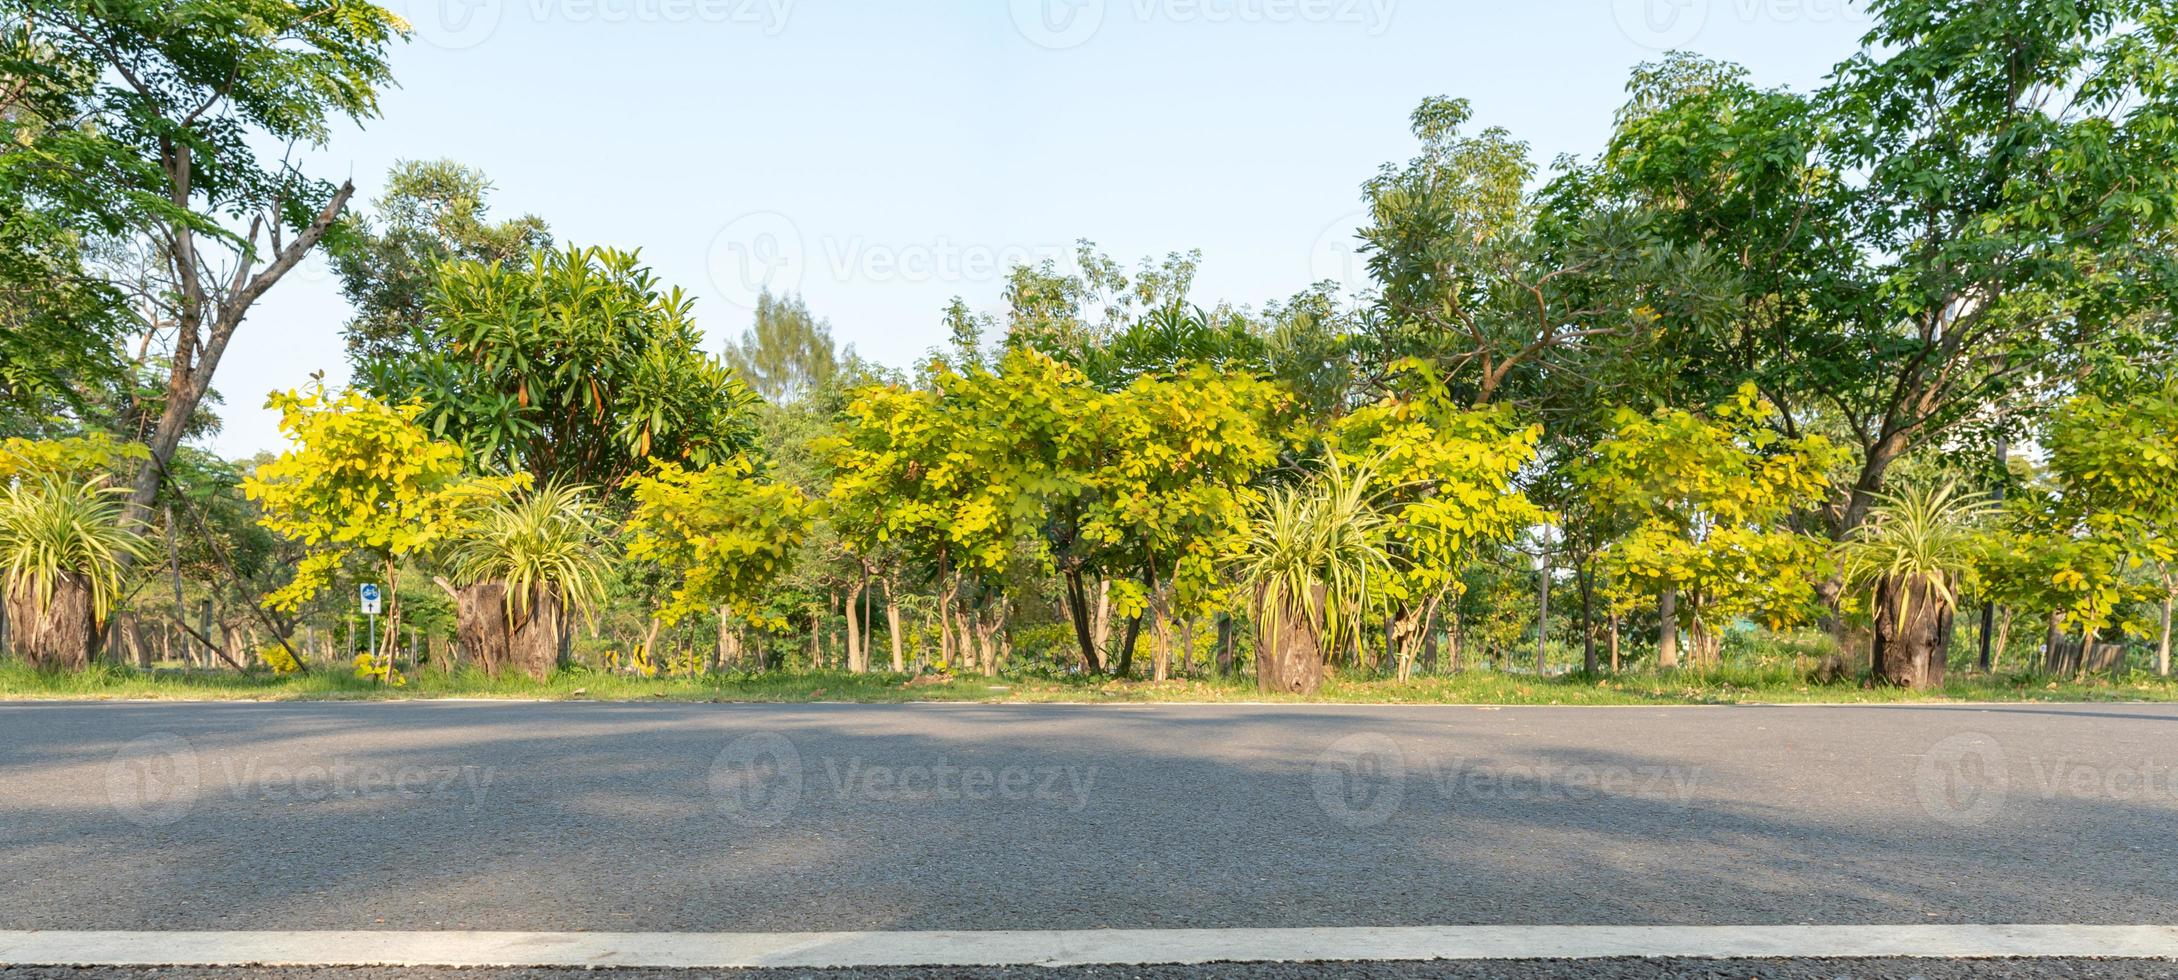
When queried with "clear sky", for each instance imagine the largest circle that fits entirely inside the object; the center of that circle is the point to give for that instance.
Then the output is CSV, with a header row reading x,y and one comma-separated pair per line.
x,y
881,157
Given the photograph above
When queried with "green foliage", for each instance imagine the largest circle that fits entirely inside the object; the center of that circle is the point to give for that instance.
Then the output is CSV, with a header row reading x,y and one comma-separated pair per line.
x,y
53,528
362,477
572,367
549,540
722,532
787,352
1706,502
1927,537
432,212
1315,552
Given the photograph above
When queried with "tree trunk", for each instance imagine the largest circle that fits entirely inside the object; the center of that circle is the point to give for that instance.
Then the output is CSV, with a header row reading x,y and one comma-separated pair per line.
x,y
56,632
1125,667
1225,645
1667,629
1288,659
1588,622
1614,643
2162,654
533,644
480,624
858,658
892,621
1086,633
1909,648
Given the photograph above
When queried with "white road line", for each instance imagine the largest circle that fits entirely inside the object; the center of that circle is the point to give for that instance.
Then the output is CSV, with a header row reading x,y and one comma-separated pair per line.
x,y
1054,948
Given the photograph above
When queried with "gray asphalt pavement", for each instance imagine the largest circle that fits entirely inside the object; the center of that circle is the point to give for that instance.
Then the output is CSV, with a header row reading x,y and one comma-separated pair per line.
x,y
600,817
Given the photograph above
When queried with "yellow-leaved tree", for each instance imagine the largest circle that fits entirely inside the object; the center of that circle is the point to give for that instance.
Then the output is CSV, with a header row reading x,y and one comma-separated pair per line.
x,y
723,533
361,481
1706,500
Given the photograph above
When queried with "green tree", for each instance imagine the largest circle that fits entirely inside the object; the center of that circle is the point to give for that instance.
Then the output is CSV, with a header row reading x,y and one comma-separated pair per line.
x,y
362,479
788,352
158,113
2118,464
1707,502
571,366
723,533
432,212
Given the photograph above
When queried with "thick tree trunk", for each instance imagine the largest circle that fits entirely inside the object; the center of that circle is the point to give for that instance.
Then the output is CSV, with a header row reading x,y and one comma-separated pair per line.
x,y
56,632
1125,665
858,658
1225,645
1909,648
533,644
480,624
1289,658
1667,629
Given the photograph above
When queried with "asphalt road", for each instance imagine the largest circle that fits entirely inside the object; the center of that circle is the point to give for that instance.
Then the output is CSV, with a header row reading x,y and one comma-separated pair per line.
x,y
598,817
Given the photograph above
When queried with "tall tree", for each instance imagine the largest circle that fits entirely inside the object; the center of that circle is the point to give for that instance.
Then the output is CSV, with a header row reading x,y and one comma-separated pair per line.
x,y
788,352
172,103
432,212
574,365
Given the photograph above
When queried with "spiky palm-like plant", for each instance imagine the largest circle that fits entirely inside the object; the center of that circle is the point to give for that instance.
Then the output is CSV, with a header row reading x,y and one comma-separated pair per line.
x,y
531,560
65,547
1309,559
1912,552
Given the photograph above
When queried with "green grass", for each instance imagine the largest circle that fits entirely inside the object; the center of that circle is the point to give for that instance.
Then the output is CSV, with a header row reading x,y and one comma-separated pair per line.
x,y
1768,684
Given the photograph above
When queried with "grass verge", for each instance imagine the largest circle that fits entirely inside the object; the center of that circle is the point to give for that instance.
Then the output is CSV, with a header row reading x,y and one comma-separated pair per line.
x,y
1774,684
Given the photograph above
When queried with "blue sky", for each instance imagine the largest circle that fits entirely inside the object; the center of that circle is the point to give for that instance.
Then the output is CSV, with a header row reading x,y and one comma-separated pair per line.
x,y
882,157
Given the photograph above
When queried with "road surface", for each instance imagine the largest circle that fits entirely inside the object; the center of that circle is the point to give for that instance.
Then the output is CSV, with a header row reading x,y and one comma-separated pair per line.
x,y
677,818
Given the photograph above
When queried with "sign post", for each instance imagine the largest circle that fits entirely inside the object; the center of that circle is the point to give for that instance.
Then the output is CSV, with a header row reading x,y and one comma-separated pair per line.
x,y
370,597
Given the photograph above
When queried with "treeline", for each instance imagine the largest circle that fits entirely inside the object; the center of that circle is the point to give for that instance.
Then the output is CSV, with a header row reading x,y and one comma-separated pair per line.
x,y
1865,360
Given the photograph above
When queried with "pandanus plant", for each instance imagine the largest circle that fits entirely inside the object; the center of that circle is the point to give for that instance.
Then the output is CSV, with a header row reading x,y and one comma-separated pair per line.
x,y
1310,555
1912,552
65,547
522,569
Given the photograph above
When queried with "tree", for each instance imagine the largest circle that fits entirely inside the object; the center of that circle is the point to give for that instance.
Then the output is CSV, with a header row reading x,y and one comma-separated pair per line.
x,y
1976,203
2118,465
788,352
1707,502
433,212
165,107
362,479
1914,552
723,533
521,570
1312,555
1450,488
571,366
65,547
